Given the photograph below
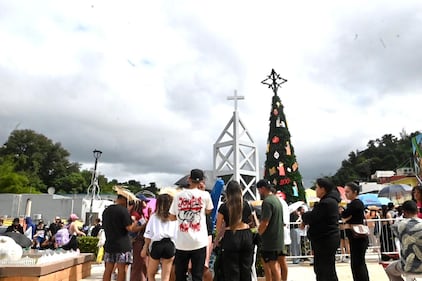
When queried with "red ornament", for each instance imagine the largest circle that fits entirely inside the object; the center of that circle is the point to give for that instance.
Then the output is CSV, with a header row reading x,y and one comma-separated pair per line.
x,y
281,194
275,111
275,139
284,181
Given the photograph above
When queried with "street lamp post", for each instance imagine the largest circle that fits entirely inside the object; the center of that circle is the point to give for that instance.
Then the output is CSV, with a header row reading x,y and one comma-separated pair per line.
x,y
94,188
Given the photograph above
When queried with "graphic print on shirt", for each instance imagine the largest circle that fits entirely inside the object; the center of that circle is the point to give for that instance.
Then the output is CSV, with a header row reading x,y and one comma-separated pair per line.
x,y
190,213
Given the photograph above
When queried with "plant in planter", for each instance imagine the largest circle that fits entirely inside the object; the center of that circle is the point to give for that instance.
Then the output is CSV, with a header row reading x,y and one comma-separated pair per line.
x,y
88,244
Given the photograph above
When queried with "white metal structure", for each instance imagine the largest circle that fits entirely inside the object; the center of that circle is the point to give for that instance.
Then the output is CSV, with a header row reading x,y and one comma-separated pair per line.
x,y
236,155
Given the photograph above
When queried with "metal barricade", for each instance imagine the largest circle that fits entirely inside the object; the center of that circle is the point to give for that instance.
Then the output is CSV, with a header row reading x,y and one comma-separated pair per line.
x,y
382,246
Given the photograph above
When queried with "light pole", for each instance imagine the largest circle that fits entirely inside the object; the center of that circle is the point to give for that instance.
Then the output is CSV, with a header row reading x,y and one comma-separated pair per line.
x,y
94,188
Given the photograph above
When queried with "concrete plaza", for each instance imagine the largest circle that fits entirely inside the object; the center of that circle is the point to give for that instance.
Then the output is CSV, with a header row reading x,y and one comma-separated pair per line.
x,y
297,272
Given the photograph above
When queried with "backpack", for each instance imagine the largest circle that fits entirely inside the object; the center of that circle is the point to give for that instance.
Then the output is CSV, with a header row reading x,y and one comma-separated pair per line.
x,y
62,237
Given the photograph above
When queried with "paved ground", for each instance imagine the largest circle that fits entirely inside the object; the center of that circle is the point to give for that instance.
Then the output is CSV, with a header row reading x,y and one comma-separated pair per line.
x,y
299,272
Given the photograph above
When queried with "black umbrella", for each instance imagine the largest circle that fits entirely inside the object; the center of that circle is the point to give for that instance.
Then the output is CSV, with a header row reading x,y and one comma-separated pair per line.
x,y
19,238
183,182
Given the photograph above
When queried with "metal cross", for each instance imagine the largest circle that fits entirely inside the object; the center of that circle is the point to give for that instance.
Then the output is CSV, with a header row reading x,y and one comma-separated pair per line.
x,y
274,81
235,98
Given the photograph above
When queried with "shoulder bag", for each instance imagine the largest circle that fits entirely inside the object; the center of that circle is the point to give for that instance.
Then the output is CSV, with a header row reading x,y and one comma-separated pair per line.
x,y
359,230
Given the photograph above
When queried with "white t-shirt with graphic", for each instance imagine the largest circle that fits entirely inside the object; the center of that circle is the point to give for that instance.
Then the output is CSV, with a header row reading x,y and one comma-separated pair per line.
x,y
189,207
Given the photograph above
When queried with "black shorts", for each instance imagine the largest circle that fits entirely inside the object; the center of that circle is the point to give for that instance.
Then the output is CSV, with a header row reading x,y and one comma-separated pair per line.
x,y
342,234
268,256
163,249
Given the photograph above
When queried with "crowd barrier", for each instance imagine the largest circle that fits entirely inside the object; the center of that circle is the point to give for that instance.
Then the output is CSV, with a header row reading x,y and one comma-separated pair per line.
x,y
382,243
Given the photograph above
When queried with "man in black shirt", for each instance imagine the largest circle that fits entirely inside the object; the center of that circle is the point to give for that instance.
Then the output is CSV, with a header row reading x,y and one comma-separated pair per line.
x,y
54,226
118,247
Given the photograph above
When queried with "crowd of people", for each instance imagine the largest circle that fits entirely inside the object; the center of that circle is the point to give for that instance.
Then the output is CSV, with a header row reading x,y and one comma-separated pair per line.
x,y
179,236
58,234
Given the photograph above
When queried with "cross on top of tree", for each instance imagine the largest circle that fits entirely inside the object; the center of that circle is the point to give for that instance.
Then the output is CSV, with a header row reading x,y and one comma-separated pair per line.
x,y
274,81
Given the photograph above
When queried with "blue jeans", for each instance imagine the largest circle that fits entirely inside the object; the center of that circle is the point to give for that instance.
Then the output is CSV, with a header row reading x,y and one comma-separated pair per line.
x,y
181,262
295,245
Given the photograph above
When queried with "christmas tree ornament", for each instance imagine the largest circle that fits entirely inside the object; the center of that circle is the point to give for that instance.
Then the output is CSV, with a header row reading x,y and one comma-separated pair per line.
x,y
295,190
295,166
268,147
275,182
275,111
285,181
288,150
272,171
281,194
283,125
281,171
275,139
278,122
276,154
289,170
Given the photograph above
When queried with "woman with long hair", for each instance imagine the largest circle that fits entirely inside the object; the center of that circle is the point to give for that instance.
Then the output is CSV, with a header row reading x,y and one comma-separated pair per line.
x,y
237,242
354,214
138,270
159,239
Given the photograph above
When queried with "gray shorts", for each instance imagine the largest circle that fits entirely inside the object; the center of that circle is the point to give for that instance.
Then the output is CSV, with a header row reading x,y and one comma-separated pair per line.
x,y
126,257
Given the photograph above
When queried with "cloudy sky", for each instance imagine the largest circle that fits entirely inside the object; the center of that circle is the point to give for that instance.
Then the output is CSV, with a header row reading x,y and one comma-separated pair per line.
x,y
147,82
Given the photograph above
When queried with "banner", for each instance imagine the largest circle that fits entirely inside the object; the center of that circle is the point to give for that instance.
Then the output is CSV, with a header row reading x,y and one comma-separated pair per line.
x,y
417,156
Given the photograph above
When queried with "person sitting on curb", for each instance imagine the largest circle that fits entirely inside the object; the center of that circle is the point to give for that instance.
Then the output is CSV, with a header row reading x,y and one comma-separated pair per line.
x,y
409,233
15,227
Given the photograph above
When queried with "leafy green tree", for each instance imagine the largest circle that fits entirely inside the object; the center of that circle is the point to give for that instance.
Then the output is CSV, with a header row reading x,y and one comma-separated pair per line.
x,y
11,181
72,183
385,153
105,186
44,162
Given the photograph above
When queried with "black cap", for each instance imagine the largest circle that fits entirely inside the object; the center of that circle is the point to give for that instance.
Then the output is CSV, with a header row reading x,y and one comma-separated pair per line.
x,y
262,183
196,175
410,206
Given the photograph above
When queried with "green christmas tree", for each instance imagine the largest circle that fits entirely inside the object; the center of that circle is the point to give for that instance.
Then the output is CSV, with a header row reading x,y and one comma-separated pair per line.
x,y
281,167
